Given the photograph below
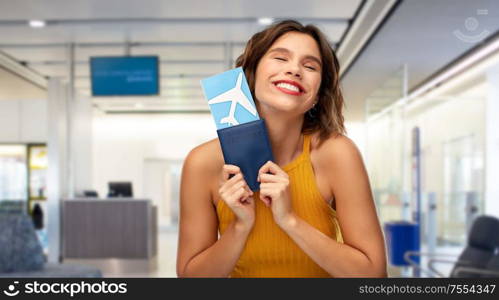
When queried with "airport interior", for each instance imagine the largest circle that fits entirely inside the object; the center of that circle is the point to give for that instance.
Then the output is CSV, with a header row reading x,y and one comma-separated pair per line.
x,y
90,172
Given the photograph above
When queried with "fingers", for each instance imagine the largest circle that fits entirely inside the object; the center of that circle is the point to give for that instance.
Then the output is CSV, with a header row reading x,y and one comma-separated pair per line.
x,y
272,178
272,168
266,195
264,178
246,197
234,189
271,172
230,174
234,184
237,187
239,195
272,190
235,193
237,180
229,170
265,199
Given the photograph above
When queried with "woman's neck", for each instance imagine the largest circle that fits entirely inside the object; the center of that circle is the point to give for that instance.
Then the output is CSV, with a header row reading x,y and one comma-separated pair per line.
x,y
285,137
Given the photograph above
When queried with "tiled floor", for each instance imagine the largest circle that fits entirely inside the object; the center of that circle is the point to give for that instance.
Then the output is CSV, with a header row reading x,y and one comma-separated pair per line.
x,y
447,253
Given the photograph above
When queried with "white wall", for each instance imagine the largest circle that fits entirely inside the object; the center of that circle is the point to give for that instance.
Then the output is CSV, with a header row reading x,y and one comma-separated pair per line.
x,y
356,131
122,144
16,87
81,141
23,121
26,121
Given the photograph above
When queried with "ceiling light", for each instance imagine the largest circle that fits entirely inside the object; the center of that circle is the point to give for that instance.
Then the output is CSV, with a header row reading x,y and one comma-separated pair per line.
x,y
37,23
265,21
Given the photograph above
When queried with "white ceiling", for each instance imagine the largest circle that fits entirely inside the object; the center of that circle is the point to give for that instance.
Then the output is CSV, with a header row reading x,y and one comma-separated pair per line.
x,y
92,9
421,34
194,39
191,38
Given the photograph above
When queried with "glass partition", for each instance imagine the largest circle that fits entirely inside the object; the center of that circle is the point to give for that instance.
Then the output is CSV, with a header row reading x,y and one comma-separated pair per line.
x,y
452,162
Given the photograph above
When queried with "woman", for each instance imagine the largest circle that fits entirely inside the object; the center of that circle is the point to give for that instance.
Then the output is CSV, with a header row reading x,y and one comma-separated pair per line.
x,y
314,215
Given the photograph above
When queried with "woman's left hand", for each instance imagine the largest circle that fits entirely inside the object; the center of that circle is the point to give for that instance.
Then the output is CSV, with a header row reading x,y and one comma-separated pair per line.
x,y
274,191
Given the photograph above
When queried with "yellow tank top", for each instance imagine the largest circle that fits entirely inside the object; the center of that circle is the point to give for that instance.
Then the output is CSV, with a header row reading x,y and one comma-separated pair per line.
x,y
269,251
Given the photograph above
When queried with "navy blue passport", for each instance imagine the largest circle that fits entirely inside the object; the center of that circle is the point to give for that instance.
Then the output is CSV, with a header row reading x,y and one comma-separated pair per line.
x,y
247,146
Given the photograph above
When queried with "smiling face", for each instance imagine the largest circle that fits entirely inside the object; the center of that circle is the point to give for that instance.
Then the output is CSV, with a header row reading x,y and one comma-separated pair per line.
x,y
288,76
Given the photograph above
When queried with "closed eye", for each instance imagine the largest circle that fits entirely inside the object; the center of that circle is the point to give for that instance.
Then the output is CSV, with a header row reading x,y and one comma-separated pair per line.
x,y
280,58
311,68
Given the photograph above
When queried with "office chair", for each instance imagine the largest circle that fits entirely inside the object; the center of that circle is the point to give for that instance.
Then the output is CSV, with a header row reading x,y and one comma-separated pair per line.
x,y
490,270
478,258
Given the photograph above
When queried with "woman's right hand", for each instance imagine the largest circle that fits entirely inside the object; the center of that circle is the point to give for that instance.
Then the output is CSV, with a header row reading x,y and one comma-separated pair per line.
x,y
235,192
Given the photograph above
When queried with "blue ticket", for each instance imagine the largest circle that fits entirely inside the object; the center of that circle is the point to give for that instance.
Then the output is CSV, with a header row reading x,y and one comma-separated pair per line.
x,y
229,98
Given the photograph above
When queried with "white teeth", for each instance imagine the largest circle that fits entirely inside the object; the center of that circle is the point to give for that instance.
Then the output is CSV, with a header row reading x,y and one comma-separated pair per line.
x,y
288,86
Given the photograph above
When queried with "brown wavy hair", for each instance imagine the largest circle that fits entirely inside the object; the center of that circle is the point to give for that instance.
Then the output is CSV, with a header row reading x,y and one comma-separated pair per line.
x,y
326,116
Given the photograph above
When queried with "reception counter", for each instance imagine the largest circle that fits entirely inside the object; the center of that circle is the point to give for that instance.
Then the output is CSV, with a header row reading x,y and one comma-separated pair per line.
x,y
109,228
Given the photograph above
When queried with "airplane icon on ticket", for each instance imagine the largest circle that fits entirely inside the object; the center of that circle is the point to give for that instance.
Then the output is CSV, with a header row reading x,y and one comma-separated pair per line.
x,y
218,89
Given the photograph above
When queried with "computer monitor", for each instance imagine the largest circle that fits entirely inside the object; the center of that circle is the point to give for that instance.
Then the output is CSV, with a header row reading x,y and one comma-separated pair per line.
x,y
90,194
120,189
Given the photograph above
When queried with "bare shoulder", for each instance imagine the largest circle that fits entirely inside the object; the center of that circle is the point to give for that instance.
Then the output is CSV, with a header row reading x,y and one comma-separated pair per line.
x,y
202,168
336,149
339,168
206,158
332,160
